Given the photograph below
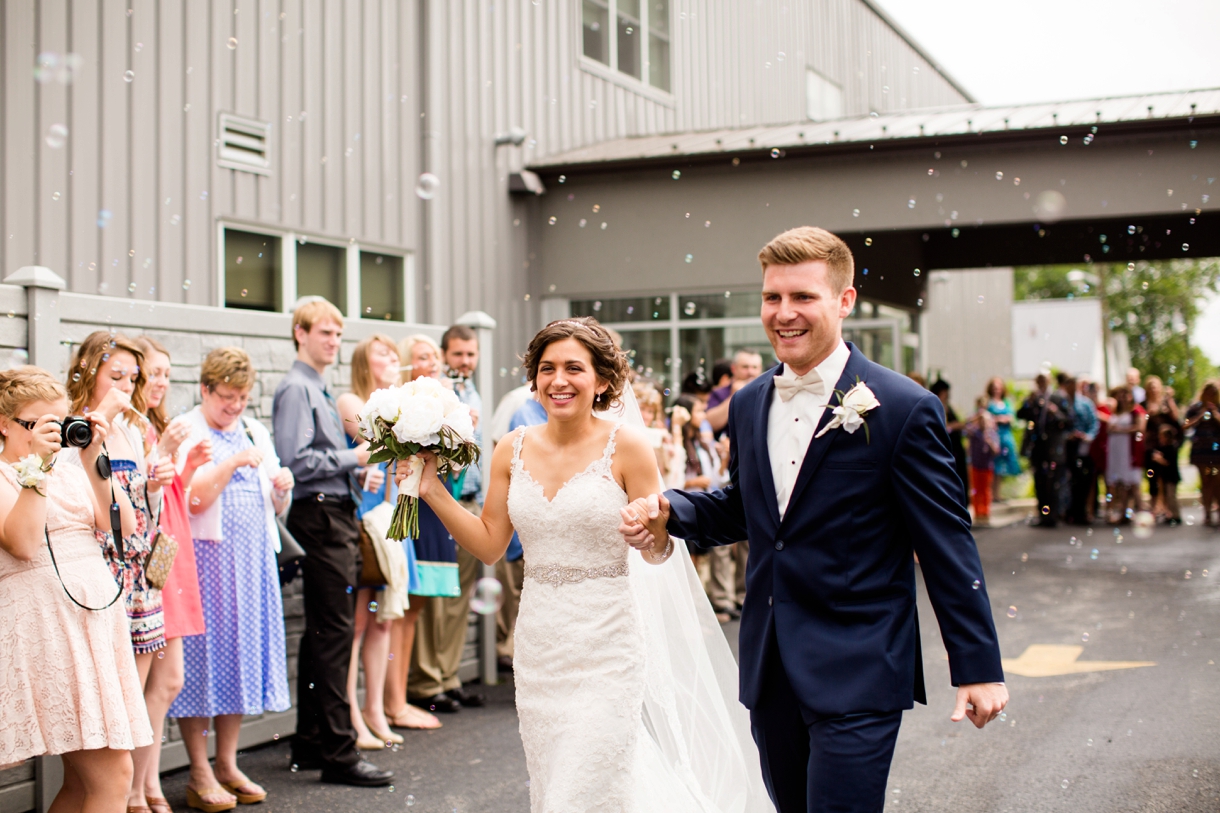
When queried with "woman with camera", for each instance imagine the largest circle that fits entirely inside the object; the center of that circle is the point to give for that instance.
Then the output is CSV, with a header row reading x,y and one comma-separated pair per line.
x,y
107,377
69,684
239,665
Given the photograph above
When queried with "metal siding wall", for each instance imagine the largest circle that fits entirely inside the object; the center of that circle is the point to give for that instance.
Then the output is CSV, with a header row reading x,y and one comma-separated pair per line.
x,y
531,55
146,150
353,68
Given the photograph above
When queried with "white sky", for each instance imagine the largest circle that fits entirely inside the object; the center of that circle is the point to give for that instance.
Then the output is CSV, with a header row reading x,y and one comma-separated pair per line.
x,y
1015,51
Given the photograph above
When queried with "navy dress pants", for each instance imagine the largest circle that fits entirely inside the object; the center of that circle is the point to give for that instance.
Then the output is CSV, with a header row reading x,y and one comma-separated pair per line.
x,y
821,764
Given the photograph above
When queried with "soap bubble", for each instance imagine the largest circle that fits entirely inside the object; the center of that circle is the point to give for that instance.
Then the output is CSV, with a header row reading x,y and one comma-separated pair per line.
x,y
57,136
128,76
1012,611
1063,140
1143,522
676,174
1085,638
999,176
427,186
372,606
103,218
690,258
690,308
976,584
232,43
488,596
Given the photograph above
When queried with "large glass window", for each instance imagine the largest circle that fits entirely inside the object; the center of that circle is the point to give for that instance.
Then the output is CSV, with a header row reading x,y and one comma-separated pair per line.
x,y
673,335
381,287
321,271
636,44
252,271
658,43
595,21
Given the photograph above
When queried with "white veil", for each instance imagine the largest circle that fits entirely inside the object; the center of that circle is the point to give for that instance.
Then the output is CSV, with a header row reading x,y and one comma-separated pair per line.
x,y
690,703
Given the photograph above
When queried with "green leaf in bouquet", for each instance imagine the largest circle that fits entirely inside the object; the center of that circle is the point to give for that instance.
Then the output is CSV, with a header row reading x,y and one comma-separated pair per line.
x,y
381,456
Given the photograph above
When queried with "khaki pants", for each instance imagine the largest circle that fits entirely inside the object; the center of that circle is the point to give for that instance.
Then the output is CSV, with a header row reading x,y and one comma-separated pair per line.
x,y
512,578
440,632
722,586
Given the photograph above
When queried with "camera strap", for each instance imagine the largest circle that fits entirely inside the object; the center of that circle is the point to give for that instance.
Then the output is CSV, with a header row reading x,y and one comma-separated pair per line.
x,y
116,528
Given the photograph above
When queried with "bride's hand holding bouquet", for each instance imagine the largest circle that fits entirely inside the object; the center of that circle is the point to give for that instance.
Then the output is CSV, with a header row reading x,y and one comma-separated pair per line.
x,y
406,423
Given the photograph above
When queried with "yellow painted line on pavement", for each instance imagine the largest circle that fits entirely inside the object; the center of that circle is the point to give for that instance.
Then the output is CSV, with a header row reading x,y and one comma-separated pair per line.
x,y
1048,660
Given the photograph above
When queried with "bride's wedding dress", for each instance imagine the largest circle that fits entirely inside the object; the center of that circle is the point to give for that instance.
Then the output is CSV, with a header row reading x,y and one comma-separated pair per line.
x,y
601,728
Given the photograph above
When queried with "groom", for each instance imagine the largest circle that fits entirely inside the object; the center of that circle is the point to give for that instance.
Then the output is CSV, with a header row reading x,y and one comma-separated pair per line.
x,y
840,472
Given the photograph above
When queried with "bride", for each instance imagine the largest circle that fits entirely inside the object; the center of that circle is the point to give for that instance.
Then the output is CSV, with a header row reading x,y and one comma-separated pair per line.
x,y
625,686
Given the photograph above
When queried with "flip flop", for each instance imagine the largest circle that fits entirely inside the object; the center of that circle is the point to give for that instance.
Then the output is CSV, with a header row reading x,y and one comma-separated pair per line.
x,y
155,802
194,799
244,798
414,719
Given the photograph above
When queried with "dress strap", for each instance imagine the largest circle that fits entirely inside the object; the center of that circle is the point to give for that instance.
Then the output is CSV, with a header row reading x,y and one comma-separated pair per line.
x,y
520,436
609,450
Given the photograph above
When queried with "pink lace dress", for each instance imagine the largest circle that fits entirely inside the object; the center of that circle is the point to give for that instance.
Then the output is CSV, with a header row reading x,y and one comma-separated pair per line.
x,y
68,679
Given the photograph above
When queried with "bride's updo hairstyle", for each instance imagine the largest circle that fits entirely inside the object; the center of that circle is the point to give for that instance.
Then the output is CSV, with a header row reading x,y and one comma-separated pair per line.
x,y
609,362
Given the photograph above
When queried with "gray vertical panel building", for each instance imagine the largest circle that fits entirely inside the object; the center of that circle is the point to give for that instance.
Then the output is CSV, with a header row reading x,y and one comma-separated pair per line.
x,y
360,97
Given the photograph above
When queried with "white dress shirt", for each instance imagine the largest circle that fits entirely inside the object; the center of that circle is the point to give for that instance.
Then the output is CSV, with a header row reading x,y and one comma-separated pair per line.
x,y
791,424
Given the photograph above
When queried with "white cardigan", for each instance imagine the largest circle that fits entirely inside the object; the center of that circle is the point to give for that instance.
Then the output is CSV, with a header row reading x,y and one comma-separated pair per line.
x,y
207,524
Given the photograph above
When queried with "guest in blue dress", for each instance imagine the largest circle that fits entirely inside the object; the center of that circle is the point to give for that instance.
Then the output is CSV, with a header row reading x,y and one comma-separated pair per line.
x,y
375,366
1008,461
238,665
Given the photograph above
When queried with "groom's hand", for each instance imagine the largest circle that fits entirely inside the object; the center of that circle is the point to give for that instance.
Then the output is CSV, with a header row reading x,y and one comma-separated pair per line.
x,y
981,702
644,520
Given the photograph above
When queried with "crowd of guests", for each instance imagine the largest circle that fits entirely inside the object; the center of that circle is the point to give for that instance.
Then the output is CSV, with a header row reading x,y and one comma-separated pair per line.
x,y
143,557
1090,452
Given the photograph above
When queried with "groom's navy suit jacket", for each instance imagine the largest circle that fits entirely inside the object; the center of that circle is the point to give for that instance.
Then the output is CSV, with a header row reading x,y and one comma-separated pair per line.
x,y
830,588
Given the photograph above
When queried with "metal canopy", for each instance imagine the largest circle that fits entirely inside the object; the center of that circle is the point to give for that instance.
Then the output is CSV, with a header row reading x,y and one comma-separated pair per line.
x,y
939,123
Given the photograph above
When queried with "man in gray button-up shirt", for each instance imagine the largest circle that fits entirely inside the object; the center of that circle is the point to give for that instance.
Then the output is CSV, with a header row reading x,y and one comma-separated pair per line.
x,y
310,441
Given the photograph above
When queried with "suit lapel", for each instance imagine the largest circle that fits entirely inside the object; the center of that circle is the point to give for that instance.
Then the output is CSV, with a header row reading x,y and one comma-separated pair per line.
x,y
857,368
761,422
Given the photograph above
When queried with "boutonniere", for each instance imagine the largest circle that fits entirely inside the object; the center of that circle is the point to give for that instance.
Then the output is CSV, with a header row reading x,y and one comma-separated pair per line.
x,y
853,406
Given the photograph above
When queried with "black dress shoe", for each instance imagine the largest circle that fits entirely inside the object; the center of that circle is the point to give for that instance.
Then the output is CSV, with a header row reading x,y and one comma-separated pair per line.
x,y
467,699
504,665
437,702
363,774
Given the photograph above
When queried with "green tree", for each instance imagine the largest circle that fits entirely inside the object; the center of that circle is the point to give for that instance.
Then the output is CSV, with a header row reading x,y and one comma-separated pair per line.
x,y
1155,304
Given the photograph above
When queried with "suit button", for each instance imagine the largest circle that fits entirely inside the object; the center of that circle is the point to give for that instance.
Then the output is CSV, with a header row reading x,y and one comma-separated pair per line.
x,y
779,544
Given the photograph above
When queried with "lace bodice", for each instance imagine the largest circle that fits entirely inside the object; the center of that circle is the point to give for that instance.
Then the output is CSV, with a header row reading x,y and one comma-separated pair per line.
x,y
69,518
577,529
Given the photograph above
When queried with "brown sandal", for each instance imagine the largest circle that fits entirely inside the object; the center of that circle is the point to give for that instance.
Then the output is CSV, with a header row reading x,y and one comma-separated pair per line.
x,y
244,798
156,801
194,799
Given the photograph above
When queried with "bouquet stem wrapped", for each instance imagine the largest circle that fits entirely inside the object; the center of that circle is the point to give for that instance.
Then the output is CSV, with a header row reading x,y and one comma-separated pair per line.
x,y
421,416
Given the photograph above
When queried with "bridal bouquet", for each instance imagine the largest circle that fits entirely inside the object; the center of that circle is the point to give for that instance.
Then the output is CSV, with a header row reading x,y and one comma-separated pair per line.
x,y
420,416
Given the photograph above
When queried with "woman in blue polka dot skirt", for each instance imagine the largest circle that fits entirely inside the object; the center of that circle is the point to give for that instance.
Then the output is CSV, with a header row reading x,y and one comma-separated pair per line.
x,y
238,665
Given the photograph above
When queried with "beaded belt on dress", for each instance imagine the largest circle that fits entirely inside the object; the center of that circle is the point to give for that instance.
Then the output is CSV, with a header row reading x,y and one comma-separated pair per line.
x,y
556,574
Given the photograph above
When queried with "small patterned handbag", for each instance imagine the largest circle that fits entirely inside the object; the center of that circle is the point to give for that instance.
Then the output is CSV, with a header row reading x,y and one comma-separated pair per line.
x,y
161,555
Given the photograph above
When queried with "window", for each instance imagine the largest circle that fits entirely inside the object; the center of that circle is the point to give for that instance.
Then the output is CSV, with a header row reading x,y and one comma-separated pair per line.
x,y
322,271
670,336
381,287
636,44
252,271
823,98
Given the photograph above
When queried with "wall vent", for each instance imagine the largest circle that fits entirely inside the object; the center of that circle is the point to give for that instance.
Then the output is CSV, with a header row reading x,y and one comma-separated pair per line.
x,y
244,144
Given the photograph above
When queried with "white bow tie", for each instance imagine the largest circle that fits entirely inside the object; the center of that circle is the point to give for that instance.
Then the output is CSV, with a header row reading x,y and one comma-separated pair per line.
x,y
811,383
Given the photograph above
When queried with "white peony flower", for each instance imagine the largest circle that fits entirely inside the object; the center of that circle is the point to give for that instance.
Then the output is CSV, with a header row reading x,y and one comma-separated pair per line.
x,y
461,423
419,422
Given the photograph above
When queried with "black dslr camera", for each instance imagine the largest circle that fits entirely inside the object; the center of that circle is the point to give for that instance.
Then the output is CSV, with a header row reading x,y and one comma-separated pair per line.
x,y
76,431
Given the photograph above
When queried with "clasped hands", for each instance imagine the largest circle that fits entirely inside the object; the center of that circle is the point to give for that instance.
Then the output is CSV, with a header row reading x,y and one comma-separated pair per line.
x,y
643,527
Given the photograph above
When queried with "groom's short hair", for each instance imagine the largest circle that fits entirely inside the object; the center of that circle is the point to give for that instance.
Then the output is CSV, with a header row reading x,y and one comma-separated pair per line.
x,y
808,244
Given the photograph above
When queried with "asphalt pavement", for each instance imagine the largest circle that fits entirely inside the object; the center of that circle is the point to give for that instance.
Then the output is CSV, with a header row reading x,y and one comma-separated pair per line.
x,y
1111,652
